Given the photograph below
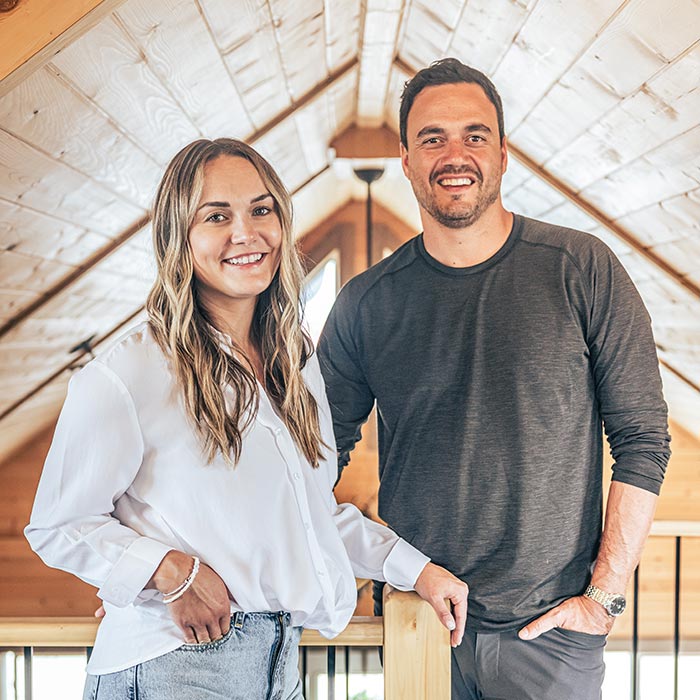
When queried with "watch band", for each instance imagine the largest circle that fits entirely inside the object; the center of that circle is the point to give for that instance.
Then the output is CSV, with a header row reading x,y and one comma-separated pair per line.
x,y
614,603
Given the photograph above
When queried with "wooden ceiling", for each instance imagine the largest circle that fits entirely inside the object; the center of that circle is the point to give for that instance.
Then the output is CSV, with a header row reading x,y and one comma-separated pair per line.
x,y
602,102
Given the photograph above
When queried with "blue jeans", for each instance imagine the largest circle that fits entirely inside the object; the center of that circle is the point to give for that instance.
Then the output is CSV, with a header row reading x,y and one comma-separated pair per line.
x,y
256,660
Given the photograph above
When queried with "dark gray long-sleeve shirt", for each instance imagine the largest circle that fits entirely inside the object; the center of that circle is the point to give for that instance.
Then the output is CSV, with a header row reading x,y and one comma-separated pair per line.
x,y
492,385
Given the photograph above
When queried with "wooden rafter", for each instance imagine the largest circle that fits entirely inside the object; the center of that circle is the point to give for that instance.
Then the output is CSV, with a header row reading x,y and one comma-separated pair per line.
x,y
33,31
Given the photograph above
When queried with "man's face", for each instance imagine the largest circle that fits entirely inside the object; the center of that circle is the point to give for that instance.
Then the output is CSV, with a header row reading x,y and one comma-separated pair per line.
x,y
454,159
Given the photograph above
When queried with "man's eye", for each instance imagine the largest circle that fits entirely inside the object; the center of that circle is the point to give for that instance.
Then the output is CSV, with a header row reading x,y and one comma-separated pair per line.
x,y
475,138
215,218
261,211
432,140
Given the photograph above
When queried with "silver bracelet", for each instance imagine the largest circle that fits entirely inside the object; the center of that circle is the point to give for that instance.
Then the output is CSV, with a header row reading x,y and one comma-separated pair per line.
x,y
182,588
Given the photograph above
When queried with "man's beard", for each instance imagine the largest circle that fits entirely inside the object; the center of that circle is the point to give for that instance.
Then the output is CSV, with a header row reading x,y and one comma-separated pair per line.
x,y
459,216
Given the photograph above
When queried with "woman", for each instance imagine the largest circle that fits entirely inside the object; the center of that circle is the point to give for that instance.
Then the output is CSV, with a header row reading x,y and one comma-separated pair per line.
x,y
190,477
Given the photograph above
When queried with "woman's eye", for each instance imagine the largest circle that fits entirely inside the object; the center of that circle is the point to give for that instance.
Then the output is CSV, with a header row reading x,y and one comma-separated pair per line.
x,y
261,211
215,218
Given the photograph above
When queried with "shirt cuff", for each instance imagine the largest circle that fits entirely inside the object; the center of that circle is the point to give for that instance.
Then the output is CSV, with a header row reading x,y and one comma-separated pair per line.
x,y
132,572
403,565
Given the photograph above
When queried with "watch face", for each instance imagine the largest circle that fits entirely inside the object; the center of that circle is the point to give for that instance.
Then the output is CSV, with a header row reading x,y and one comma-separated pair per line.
x,y
617,605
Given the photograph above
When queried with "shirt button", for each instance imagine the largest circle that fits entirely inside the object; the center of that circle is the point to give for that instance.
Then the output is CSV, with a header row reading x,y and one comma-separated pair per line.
x,y
297,476
278,431
307,525
320,573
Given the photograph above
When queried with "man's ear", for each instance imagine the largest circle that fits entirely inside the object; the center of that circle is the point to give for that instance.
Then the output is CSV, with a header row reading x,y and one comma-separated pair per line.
x,y
404,158
504,154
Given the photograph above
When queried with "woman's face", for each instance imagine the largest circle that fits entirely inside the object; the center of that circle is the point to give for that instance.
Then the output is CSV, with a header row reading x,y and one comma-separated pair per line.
x,y
236,234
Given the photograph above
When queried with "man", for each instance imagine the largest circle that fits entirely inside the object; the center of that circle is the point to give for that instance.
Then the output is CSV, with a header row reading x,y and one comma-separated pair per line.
x,y
496,347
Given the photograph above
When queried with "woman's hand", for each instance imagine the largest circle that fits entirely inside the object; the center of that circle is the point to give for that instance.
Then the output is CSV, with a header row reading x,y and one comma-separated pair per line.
x,y
203,612
436,584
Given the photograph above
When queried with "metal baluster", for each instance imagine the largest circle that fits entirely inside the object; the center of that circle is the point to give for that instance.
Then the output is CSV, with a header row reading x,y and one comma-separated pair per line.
x,y
347,673
635,638
28,652
304,670
331,672
676,618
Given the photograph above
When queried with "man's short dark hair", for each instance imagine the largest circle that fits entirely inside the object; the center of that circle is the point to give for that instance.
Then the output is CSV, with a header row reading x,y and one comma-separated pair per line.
x,y
446,71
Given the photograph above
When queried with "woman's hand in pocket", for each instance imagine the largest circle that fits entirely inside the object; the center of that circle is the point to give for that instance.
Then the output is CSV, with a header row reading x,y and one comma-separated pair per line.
x,y
203,612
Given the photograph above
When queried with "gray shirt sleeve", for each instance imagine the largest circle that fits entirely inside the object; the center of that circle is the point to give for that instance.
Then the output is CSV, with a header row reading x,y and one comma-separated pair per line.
x,y
626,374
349,394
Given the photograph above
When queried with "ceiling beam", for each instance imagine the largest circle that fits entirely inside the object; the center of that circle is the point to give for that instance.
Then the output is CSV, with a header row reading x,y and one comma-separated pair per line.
x,y
366,142
34,31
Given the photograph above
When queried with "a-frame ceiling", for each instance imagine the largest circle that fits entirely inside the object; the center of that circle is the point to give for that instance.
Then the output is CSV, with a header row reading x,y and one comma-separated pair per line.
x,y
602,102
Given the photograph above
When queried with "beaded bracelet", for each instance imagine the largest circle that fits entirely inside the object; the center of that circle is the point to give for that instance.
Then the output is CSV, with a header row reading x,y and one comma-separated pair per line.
x,y
182,588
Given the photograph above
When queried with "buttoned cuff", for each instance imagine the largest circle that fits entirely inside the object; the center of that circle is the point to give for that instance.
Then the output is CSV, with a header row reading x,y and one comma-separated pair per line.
x,y
403,565
132,572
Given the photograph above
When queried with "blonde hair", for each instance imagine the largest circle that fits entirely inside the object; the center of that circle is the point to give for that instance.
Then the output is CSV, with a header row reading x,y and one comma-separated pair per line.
x,y
183,329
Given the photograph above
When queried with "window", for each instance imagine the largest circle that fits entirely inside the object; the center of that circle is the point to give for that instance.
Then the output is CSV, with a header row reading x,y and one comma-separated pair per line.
x,y
320,291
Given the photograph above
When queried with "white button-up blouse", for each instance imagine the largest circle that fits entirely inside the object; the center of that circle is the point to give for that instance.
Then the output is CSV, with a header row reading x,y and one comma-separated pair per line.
x,y
125,481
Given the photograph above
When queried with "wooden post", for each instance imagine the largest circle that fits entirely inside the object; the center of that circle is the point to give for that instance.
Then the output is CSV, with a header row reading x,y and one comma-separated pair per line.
x,y
416,649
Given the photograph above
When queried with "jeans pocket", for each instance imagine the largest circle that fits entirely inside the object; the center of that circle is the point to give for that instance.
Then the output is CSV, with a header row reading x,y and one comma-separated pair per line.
x,y
208,646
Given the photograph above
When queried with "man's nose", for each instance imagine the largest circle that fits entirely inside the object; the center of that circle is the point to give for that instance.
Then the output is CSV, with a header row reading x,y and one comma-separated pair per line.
x,y
456,152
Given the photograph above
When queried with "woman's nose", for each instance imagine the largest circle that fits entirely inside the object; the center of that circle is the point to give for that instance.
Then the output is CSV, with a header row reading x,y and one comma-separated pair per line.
x,y
242,231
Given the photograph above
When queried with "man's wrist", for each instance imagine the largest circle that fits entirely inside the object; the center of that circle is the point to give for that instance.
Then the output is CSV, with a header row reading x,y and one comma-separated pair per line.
x,y
613,603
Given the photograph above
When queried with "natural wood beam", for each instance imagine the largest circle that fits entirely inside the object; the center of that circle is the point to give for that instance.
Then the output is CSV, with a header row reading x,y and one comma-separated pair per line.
x,y
81,631
366,142
34,31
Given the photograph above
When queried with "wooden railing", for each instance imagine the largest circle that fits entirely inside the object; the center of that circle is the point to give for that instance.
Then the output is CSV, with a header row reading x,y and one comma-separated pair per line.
x,y
416,646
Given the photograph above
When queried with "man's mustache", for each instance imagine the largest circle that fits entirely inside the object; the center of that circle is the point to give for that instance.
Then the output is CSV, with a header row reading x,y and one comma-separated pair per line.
x,y
457,171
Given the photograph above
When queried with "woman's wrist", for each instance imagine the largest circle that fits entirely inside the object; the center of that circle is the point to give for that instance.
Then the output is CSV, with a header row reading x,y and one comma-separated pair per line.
x,y
172,571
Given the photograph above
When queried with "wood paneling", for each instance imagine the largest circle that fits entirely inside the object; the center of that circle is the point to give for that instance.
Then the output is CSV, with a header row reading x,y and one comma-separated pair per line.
x,y
176,40
482,36
45,112
381,26
110,70
41,183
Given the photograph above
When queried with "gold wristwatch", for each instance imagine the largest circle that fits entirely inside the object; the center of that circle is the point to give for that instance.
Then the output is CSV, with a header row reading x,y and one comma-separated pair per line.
x,y
614,603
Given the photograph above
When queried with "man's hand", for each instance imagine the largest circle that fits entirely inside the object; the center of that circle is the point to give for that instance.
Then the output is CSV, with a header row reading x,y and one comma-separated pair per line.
x,y
579,614
434,585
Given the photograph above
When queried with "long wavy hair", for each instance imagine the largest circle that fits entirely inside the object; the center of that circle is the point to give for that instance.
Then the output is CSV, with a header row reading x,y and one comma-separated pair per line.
x,y
184,330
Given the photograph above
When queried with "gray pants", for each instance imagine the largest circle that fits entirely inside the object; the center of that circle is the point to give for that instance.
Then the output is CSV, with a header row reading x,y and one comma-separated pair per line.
x,y
558,665
256,660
